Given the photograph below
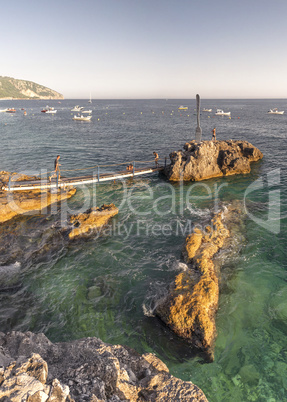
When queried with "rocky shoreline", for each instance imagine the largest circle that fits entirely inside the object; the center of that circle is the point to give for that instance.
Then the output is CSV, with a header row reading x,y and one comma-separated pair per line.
x,y
34,369
23,202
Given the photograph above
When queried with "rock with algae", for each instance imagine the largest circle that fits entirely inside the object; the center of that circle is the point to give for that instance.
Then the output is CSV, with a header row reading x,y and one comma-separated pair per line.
x,y
91,220
190,306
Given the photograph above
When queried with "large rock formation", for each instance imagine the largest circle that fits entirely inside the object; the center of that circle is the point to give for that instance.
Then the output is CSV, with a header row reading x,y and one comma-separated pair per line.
x,y
190,306
34,369
21,202
207,159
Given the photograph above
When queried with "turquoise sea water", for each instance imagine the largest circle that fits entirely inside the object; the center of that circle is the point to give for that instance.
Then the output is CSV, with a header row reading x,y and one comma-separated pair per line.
x,y
107,285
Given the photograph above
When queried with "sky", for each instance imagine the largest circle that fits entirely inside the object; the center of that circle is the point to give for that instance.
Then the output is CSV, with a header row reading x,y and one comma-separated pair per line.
x,y
147,49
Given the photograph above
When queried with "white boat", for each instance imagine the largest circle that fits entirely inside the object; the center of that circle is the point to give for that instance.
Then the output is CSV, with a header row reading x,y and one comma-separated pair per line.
x,y
3,110
82,118
275,111
220,112
49,110
77,108
182,107
207,110
86,111
90,100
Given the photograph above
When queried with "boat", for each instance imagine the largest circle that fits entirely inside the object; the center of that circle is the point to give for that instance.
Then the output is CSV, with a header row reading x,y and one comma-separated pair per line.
x,y
86,111
77,108
49,110
207,110
220,112
11,110
90,100
275,111
182,107
3,110
82,118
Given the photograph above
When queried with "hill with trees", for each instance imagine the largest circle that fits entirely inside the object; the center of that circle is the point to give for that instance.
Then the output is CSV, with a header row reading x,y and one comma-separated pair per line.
x,y
12,88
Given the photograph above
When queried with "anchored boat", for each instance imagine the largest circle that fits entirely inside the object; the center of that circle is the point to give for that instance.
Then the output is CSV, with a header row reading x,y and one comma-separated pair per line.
x,y
49,110
82,118
220,112
77,108
275,111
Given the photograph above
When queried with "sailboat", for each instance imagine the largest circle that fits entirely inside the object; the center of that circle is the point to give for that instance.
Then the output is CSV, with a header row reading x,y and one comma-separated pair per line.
x,y
90,101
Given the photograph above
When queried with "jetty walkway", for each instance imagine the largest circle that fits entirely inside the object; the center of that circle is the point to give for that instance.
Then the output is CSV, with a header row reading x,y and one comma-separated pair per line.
x,y
43,183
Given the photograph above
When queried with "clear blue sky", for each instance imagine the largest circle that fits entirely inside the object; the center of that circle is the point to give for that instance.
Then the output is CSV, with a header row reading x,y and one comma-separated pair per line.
x,y
148,48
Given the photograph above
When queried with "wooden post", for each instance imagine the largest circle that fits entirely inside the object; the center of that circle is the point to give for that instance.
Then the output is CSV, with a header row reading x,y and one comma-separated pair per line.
x,y
133,168
98,173
9,183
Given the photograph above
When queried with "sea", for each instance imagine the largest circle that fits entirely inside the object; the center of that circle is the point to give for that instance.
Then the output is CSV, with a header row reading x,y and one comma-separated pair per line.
x,y
107,285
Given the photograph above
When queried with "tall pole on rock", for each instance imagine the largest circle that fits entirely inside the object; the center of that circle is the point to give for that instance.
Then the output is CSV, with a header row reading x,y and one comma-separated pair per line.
x,y
198,131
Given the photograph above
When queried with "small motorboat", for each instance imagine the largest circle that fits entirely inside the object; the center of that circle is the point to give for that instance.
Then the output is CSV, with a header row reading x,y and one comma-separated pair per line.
x,y
207,110
11,110
49,110
220,112
82,118
275,111
183,108
77,108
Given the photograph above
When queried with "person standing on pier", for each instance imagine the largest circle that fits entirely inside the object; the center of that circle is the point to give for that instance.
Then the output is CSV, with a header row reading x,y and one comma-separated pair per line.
x,y
156,157
57,169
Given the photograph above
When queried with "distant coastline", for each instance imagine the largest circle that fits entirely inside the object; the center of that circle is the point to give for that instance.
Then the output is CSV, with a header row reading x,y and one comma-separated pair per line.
x,y
14,89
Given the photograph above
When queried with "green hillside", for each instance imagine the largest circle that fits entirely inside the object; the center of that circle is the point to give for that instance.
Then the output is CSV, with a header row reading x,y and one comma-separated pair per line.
x,y
21,89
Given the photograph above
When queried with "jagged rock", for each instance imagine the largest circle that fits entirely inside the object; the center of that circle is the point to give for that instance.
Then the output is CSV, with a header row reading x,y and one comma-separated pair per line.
x,y
21,202
89,370
207,159
91,220
190,306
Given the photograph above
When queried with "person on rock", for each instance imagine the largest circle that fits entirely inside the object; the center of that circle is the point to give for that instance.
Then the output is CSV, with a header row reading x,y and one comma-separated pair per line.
x,y
213,134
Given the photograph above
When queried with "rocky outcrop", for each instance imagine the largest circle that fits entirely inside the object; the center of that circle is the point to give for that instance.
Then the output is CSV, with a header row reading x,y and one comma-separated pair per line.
x,y
12,88
91,220
21,202
190,306
34,369
207,159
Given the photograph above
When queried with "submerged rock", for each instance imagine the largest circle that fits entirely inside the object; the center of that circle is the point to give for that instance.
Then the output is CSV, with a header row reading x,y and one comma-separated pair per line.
x,y
85,370
190,306
207,159
21,202
91,220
